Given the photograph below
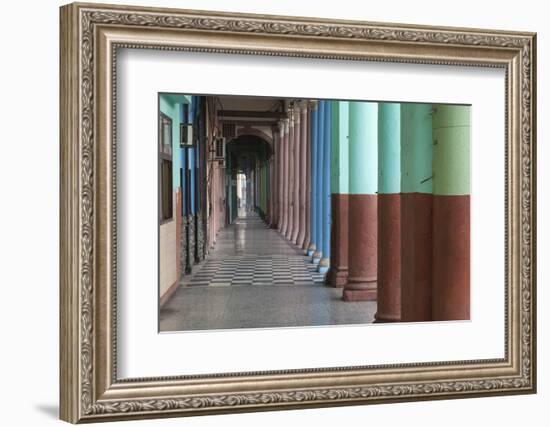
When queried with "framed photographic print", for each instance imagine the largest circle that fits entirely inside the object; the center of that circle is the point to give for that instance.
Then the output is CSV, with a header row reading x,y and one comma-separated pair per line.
x,y
267,212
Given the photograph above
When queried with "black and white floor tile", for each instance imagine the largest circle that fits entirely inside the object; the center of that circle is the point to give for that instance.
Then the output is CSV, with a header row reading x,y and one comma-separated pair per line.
x,y
257,270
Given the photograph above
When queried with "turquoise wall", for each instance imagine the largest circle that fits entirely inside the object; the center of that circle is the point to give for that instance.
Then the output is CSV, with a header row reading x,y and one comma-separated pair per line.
x,y
170,105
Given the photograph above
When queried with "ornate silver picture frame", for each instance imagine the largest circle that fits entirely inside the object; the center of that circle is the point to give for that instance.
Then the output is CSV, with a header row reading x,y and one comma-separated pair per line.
x,y
91,36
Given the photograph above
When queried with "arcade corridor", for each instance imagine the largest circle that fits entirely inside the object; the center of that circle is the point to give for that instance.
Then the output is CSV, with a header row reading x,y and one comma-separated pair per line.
x,y
255,278
293,212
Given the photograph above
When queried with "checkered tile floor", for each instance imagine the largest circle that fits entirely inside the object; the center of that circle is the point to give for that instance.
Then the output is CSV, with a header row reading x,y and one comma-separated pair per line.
x,y
257,270
249,253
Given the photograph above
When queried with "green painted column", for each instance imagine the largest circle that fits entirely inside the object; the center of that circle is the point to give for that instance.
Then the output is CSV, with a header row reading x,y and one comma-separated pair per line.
x,y
451,132
404,212
389,212
363,215
363,148
416,207
339,172
416,148
389,148
339,188
451,213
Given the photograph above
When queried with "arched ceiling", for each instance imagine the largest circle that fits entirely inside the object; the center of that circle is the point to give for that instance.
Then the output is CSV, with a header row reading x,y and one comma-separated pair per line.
x,y
261,113
251,144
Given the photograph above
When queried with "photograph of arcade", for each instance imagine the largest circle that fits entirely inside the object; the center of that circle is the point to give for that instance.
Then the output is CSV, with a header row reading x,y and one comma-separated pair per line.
x,y
279,212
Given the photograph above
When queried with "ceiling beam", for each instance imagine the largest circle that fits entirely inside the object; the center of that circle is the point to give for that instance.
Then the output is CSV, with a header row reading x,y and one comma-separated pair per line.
x,y
252,113
244,122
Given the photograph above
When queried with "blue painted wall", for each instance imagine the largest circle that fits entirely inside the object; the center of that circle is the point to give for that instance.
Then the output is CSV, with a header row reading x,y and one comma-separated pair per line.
x,y
172,106
320,162
326,177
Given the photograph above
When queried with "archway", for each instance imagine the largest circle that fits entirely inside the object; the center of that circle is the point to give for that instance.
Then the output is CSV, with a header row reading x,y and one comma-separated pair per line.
x,y
247,173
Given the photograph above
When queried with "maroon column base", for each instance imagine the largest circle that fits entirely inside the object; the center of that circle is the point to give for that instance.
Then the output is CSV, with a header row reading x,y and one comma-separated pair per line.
x,y
339,240
337,277
363,245
367,293
416,257
451,258
386,319
389,258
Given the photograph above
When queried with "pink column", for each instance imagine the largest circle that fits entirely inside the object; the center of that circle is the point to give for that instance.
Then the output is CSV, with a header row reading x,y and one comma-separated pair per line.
x,y
273,192
307,238
269,199
219,205
208,196
280,176
302,186
224,200
291,163
297,174
285,175
214,212
215,206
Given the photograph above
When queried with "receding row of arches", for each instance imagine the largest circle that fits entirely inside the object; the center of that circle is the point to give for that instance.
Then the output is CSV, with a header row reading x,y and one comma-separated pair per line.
x,y
344,182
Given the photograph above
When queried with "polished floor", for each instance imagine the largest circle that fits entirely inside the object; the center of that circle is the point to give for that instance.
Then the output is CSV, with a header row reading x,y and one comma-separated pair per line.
x,y
254,278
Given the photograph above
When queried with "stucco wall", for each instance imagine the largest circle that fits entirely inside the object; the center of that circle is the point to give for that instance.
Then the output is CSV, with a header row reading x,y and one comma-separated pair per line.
x,y
168,254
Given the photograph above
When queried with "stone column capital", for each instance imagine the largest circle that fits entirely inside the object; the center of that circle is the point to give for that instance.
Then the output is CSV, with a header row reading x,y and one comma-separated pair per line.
x,y
291,114
297,110
285,124
303,105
